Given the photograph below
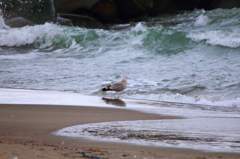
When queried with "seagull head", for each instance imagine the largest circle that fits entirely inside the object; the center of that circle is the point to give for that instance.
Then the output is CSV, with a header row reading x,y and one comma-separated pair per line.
x,y
125,78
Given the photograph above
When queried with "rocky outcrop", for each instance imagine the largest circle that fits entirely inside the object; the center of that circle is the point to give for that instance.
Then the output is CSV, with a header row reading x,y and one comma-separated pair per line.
x,y
18,22
226,4
82,21
128,9
96,13
159,7
171,6
214,4
205,4
105,10
88,13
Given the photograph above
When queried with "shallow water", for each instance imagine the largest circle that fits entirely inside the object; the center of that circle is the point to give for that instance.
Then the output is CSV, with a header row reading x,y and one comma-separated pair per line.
x,y
202,133
203,127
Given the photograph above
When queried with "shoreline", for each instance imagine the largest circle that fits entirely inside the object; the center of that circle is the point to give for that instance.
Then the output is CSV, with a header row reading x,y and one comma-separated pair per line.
x,y
26,130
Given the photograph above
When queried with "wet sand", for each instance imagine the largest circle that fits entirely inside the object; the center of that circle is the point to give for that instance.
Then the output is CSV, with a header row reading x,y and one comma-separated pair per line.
x,y
26,132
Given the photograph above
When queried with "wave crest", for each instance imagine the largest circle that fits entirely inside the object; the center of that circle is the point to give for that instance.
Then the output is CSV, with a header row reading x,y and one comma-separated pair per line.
x,y
217,37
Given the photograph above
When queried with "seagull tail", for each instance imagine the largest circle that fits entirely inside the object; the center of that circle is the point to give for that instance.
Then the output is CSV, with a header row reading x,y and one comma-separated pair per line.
x,y
105,89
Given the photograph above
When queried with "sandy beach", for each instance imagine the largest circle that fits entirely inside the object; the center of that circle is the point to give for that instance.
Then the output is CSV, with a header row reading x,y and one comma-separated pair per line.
x,y
26,132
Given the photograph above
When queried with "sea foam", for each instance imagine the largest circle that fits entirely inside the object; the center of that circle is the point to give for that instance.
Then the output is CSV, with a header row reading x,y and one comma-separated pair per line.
x,y
23,36
210,100
202,20
42,36
2,23
225,38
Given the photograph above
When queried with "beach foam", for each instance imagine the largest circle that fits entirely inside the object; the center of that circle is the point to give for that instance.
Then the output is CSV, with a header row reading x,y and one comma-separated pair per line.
x,y
205,134
21,96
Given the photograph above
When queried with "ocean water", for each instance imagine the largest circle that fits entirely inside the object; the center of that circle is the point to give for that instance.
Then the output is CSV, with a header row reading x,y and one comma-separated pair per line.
x,y
189,57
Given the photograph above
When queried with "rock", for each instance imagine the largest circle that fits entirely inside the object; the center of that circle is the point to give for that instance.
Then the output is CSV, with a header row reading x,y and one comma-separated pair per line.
x,y
67,6
214,4
171,6
63,21
178,5
18,22
205,4
106,9
159,7
128,9
28,12
186,4
84,21
103,10
226,4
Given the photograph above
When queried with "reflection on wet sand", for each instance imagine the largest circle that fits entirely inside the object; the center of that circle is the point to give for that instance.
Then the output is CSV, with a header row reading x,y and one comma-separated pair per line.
x,y
116,102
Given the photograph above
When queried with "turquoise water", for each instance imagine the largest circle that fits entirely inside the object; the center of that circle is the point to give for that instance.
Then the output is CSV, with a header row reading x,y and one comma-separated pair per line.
x,y
188,57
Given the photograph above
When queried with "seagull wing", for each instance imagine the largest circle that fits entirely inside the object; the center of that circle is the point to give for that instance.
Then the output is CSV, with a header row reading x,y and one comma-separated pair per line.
x,y
118,86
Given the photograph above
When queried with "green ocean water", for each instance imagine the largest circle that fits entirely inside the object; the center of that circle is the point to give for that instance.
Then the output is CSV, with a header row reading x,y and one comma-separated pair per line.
x,y
187,57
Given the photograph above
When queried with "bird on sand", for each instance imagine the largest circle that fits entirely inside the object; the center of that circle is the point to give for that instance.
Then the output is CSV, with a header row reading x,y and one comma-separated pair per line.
x,y
118,87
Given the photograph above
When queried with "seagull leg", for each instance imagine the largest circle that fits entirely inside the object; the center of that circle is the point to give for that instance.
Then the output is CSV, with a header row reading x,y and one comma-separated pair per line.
x,y
104,93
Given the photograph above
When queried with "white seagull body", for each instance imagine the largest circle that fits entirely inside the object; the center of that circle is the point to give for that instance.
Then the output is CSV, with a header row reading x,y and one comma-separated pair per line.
x,y
120,86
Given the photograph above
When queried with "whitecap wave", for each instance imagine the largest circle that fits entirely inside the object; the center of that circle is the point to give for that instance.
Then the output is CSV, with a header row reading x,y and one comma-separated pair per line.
x,y
41,36
213,100
201,99
217,37
2,23
202,20
24,36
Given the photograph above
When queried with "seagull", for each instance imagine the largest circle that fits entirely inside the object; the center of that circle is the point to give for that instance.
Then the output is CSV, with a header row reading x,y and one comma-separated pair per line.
x,y
120,86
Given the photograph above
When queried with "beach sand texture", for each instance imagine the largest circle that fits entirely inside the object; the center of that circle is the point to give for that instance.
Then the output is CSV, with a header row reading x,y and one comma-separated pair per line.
x,y
26,132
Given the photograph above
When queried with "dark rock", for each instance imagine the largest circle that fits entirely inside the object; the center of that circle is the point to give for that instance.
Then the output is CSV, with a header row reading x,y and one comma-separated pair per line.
x,y
205,4
185,4
103,10
84,21
63,21
67,6
159,7
128,9
178,5
171,6
214,4
106,9
226,4
26,12
93,13
18,22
